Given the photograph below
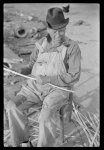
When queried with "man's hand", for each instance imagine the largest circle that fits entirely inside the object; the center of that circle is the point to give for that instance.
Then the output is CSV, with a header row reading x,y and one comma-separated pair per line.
x,y
36,78
45,79
41,79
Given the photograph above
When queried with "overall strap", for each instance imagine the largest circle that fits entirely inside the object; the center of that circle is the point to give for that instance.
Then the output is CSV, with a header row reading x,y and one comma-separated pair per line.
x,y
39,47
64,51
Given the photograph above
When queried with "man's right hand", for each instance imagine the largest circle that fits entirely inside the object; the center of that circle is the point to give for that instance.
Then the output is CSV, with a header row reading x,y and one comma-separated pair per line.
x,y
37,79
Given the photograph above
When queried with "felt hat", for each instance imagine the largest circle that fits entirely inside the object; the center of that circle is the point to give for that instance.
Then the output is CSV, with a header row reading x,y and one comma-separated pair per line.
x,y
55,18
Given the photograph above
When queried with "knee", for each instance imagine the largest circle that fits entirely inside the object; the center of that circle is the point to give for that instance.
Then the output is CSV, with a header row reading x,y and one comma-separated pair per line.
x,y
10,105
44,115
19,99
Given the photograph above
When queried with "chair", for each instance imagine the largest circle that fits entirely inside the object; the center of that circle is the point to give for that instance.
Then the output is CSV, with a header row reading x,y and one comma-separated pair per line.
x,y
65,108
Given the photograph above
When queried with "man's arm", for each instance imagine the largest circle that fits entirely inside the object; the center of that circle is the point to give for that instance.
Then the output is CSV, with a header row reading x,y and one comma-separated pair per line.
x,y
73,65
27,70
33,58
73,68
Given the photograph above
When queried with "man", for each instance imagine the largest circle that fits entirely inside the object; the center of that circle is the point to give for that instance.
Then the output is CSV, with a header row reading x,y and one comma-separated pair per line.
x,y
56,60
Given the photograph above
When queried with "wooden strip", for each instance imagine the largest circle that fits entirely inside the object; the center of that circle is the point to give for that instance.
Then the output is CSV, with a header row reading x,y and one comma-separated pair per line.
x,y
6,69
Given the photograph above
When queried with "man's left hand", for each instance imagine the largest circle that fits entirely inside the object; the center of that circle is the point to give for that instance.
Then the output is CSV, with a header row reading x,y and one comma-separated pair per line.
x,y
45,79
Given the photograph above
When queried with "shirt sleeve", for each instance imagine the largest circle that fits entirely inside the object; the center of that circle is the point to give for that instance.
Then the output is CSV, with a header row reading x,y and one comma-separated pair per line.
x,y
72,63
33,57
34,54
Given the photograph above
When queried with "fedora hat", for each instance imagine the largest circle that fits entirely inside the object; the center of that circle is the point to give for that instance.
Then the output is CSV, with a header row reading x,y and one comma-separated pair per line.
x,y
55,18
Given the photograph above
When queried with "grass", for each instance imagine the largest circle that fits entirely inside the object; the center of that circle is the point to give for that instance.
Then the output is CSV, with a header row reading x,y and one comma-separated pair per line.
x,y
87,127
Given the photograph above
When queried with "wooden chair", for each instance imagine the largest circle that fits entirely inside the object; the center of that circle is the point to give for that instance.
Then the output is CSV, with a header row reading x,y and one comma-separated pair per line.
x,y
66,108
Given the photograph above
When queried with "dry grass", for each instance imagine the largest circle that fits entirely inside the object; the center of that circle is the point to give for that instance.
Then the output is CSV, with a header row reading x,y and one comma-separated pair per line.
x,y
88,126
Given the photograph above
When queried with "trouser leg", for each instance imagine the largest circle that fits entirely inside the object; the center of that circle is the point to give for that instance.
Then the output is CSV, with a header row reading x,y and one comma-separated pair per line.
x,y
18,121
47,128
18,124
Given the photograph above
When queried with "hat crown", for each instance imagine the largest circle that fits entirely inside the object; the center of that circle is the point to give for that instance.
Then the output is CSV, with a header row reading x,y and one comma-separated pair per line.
x,y
55,16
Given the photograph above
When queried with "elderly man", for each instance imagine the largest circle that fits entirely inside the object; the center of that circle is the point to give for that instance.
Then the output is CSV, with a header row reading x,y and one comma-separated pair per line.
x,y
56,60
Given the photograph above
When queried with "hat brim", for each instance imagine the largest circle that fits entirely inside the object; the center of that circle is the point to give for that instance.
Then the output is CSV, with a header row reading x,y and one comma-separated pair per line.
x,y
56,27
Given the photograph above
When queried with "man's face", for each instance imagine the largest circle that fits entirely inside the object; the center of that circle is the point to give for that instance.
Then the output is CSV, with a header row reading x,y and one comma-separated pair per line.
x,y
57,34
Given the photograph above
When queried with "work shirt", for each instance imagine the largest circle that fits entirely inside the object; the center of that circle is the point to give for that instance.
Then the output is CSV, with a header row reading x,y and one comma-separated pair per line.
x,y
61,66
71,61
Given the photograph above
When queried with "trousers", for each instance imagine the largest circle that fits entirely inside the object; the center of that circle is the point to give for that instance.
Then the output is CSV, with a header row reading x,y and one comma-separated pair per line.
x,y
48,118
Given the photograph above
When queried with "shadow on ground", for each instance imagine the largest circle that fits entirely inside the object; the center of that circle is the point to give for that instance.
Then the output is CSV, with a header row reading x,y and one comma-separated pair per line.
x,y
90,100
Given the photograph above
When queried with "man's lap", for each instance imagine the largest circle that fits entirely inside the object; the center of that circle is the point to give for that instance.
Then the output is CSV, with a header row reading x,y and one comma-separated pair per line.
x,y
55,99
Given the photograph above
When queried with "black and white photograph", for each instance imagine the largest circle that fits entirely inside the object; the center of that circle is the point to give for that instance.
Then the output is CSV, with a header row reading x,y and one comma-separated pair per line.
x,y
51,74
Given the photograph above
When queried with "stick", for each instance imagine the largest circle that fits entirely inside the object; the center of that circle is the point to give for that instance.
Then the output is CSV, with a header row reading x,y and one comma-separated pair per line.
x,y
80,122
16,73
61,88
94,136
35,80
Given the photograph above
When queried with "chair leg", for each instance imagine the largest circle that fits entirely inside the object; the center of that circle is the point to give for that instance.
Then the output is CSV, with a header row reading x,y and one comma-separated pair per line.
x,y
65,108
62,125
